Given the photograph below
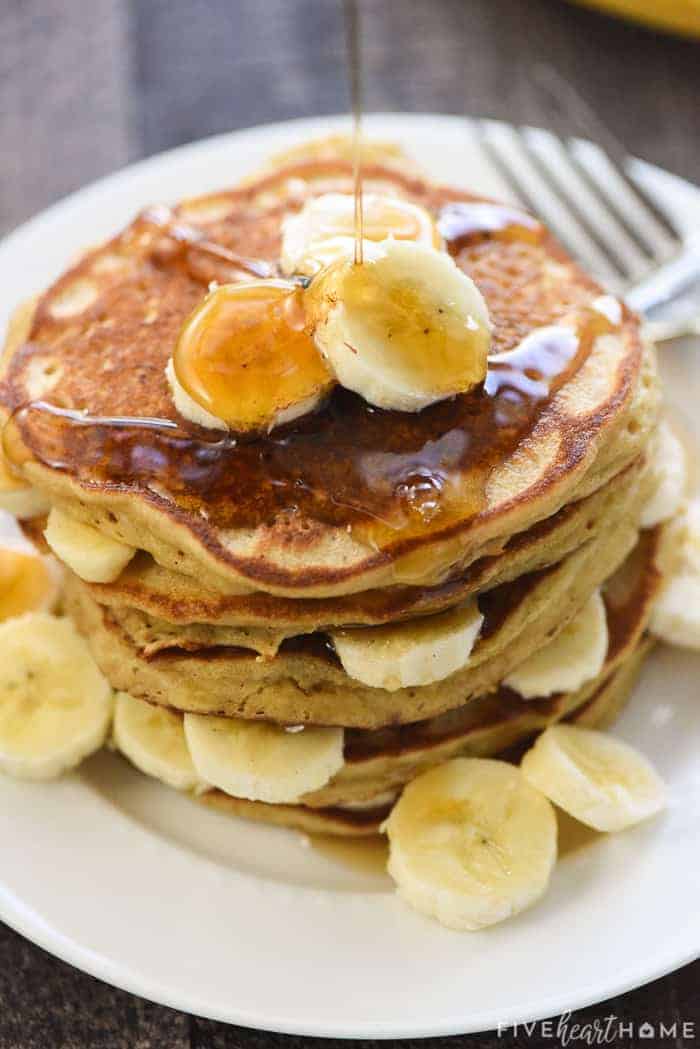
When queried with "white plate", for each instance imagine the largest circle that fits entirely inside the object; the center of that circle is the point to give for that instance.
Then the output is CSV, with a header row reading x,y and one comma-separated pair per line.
x,y
243,923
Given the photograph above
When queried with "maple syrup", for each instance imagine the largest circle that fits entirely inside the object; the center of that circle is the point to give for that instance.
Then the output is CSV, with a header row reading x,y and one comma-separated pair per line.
x,y
365,855
245,357
382,474
462,222
352,25
189,240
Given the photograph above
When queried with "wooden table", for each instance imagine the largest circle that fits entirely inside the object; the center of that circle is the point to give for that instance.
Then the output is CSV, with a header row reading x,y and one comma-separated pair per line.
x,y
87,87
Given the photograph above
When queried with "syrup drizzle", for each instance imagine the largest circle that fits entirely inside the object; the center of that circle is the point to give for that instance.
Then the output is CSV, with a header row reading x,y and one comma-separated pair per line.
x,y
352,35
192,239
462,222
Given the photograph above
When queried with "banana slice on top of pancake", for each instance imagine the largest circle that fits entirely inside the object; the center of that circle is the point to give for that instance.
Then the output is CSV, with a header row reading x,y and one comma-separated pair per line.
x,y
597,779
404,329
471,843
410,654
261,761
323,231
576,655
244,360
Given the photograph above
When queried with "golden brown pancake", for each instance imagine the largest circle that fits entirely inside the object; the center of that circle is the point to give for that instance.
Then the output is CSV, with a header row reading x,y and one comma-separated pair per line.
x,y
332,504
305,684
170,603
379,763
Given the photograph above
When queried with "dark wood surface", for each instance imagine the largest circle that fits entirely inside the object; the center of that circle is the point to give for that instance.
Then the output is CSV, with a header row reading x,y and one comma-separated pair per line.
x,y
86,87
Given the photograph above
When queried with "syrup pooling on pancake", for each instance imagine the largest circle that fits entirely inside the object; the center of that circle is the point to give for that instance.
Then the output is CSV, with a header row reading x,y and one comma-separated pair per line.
x,y
245,357
464,221
382,475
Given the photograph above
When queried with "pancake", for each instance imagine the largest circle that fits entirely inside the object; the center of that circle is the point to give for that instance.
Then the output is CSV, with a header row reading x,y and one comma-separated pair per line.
x,y
328,506
386,759
169,600
378,764
305,684
619,502
601,711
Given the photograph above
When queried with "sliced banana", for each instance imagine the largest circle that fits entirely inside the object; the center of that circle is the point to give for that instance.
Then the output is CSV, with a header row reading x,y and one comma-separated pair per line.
x,y
55,705
409,654
244,360
405,329
153,739
29,581
576,655
669,471
89,553
260,761
471,843
601,781
675,617
324,230
19,498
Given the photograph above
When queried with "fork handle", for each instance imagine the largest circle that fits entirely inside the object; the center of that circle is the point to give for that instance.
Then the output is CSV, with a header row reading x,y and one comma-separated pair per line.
x,y
670,298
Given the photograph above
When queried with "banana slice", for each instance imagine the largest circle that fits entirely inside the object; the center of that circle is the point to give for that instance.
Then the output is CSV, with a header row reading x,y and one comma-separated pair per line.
x,y
669,471
404,329
675,617
596,778
19,498
55,705
153,739
410,654
89,553
244,360
324,230
576,655
29,581
471,843
260,761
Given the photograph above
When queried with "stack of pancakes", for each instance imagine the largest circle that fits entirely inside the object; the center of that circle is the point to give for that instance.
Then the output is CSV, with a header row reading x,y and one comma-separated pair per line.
x,y
255,558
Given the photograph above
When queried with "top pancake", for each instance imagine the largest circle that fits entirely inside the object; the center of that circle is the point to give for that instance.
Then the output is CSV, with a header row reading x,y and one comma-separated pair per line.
x,y
343,500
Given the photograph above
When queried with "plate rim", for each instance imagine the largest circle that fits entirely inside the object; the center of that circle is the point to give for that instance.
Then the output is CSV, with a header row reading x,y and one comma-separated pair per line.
x,y
22,918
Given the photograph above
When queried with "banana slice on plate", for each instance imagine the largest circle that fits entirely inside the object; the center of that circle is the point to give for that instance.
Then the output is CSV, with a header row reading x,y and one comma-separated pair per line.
x,y
601,781
29,581
55,705
405,329
669,471
95,557
19,498
260,761
153,739
576,655
471,843
324,230
675,617
410,654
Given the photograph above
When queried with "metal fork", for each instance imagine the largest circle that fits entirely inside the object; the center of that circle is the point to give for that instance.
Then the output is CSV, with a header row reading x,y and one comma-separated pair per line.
x,y
599,211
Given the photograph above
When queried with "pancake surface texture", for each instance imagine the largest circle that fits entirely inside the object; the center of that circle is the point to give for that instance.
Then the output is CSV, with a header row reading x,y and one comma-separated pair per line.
x,y
349,498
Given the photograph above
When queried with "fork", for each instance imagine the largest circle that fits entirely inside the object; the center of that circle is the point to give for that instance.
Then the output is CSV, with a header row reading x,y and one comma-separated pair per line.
x,y
605,217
